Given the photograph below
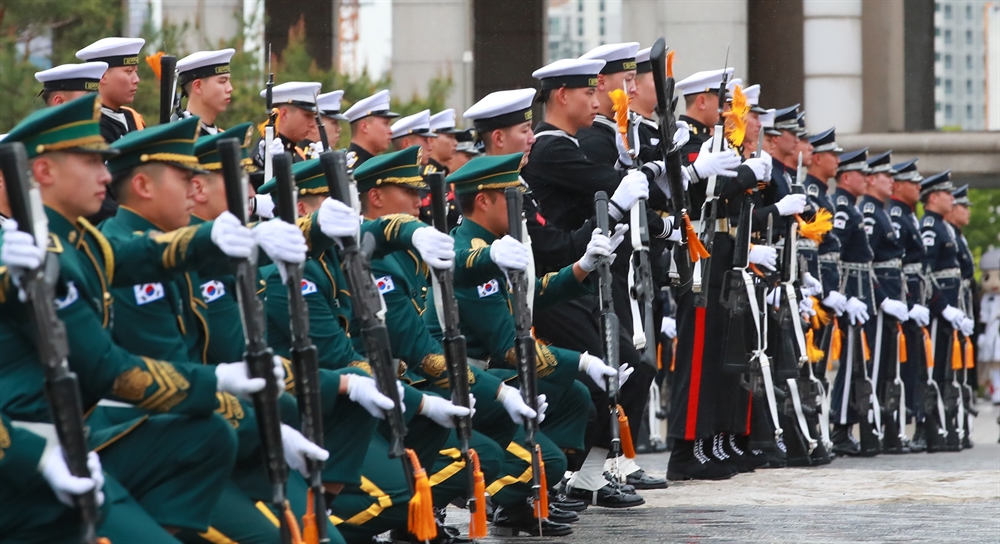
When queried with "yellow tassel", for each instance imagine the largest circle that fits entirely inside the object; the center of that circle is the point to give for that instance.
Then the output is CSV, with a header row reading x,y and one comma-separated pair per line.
x,y
956,352
421,522
817,227
619,104
310,532
736,118
261,127
625,432
970,358
670,63
835,345
154,62
477,519
812,352
901,337
542,508
822,317
928,347
293,525
695,248
864,344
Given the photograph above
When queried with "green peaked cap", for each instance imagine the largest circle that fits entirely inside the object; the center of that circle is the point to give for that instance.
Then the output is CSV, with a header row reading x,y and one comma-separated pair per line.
x,y
73,126
207,148
171,143
487,172
396,168
309,178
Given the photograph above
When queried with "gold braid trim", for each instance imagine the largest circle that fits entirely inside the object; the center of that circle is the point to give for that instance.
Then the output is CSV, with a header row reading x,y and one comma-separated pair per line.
x,y
414,181
177,242
170,386
305,225
363,365
504,185
87,142
314,191
188,160
545,281
106,251
394,223
230,408
4,440
434,364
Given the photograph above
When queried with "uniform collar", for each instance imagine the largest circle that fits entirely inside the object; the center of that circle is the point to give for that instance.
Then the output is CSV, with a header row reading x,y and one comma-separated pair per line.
x,y
697,127
816,180
842,192
935,215
58,224
131,219
904,205
474,230
869,198
195,220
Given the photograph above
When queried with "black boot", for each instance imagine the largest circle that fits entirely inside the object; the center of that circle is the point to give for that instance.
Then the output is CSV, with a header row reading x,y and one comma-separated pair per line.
x,y
935,438
844,442
918,444
742,460
689,461
521,519
719,455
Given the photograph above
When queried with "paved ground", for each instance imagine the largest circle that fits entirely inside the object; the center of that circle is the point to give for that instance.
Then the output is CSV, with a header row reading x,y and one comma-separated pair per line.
x,y
941,497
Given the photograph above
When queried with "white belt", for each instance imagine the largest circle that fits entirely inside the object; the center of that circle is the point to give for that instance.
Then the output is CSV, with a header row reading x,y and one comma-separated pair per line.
x,y
891,263
859,267
829,258
913,268
947,273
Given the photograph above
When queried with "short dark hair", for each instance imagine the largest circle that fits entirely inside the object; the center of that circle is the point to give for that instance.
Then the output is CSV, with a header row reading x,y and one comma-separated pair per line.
x,y
467,202
121,180
46,96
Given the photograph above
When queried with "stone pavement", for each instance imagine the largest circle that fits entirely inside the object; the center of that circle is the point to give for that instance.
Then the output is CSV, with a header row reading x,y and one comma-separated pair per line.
x,y
941,497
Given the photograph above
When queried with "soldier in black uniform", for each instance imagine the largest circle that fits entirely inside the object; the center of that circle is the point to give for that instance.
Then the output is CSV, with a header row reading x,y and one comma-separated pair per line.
x,y
296,119
70,81
370,128
857,284
968,298
905,195
942,266
884,332
204,79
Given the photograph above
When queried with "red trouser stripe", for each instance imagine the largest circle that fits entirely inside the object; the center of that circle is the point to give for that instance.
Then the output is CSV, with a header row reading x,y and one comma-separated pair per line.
x,y
749,413
696,359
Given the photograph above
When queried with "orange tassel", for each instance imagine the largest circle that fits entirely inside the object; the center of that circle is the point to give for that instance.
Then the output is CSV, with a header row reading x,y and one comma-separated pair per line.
x,y
310,532
813,353
695,248
673,354
753,268
970,358
619,104
670,63
542,508
625,432
816,228
293,525
103,540
903,356
659,355
835,345
477,519
822,317
736,118
262,126
928,347
421,522
864,344
154,62
956,351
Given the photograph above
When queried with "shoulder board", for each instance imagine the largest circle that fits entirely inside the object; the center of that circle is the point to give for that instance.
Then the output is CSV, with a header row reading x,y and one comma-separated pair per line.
x,y
869,207
812,189
478,243
896,211
842,201
55,245
927,222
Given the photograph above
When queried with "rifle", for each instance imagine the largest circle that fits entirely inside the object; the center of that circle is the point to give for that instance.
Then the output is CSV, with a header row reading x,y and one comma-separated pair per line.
x,y
168,89
258,355
368,307
609,327
710,209
304,356
61,388
453,341
894,410
524,349
272,118
672,159
320,126
864,392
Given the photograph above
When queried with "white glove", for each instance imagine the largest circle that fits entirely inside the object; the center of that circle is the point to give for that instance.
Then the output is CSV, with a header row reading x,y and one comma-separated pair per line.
x,y
618,235
968,327
723,163
315,149
364,391
624,160
954,316
297,448
596,369
599,246
836,302
668,326
234,239
632,187
436,248
895,308
761,168
685,178
657,171
624,371
674,230
337,220
509,254
277,147
233,378
682,133
811,286
806,308
771,297
281,241
441,411
19,250
857,311
64,484
517,409
262,205
765,256
791,205
920,315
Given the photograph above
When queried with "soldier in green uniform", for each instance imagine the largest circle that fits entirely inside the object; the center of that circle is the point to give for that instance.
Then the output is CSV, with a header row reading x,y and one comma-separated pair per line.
x,y
173,464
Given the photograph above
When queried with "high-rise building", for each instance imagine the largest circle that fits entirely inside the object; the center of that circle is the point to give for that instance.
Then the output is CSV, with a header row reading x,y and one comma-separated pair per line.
x,y
577,26
960,64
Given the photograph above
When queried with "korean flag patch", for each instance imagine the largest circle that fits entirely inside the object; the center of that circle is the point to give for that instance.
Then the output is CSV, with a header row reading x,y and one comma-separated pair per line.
x,y
212,290
869,225
840,220
148,292
489,288
385,284
71,296
308,287
929,238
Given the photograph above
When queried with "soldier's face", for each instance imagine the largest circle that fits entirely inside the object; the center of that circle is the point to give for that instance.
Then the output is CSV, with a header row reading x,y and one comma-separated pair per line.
x,y
390,199
806,148
118,86
853,182
786,143
74,184
518,138
621,80
444,147
297,123
941,201
173,190
583,105
645,93
825,164
907,191
959,215
62,97
881,185
753,132
209,195
378,133
215,92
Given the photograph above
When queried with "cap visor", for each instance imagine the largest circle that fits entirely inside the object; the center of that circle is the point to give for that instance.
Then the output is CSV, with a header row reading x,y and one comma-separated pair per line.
x,y
336,116
387,114
451,130
187,167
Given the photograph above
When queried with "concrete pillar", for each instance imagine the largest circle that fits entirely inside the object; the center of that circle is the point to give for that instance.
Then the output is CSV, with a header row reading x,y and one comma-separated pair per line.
x,y
832,65
775,51
883,66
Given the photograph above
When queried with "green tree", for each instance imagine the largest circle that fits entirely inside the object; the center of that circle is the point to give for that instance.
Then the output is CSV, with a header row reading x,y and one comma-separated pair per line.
x,y
983,231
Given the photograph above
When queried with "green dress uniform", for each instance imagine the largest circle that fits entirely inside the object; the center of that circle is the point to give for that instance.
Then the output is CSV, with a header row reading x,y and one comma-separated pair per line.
x,y
172,464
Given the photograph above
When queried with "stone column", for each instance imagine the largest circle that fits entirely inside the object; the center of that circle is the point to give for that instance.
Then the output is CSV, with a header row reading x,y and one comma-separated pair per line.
x,y
832,65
